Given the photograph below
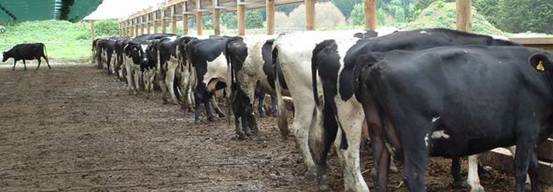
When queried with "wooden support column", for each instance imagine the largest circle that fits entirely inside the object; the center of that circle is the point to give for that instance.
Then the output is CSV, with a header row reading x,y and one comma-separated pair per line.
x,y
148,23
174,19
310,15
185,17
155,21
270,9
136,26
464,17
163,21
241,16
93,30
131,27
199,19
370,15
142,26
216,17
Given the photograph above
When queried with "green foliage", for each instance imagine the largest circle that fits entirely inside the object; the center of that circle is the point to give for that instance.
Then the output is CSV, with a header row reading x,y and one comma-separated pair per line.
x,y
346,6
254,19
63,40
357,15
441,14
107,28
287,8
228,19
518,15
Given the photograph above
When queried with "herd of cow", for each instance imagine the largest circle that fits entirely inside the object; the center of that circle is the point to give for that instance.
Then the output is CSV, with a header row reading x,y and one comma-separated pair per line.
x,y
419,93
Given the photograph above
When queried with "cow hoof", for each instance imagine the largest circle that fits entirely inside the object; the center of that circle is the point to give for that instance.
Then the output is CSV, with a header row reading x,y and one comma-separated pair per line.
x,y
311,175
324,188
241,136
477,189
460,184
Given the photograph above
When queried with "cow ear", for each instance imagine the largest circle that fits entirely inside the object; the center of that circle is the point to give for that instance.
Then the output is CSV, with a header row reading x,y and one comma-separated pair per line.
x,y
540,62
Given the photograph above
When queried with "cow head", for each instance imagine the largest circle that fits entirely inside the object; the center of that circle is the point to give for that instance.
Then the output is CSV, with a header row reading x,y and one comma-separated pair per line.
x,y
542,62
5,56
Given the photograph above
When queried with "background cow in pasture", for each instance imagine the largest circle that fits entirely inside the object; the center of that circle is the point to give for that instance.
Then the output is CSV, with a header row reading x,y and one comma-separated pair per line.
x,y
26,51
458,101
341,110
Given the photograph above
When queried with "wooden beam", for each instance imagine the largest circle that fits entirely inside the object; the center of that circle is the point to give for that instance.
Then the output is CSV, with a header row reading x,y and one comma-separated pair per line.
x,y
370,15
174,19
92,30
464,17
142,25
199,19
310,15
241,16
270,9
216,17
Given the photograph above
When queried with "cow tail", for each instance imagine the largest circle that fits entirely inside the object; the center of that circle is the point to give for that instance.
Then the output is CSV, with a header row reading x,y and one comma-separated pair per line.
x,y
314,68
45,52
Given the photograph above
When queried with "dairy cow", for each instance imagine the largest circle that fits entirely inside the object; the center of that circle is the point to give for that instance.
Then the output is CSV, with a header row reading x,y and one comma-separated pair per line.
x,y
458,101
210,73
252,75
334,61
292,54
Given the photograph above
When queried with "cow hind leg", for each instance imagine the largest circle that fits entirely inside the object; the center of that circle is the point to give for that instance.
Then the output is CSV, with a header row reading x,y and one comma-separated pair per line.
x,y
14,61
260,107
47,62
239,131
38,60
473,179
24,65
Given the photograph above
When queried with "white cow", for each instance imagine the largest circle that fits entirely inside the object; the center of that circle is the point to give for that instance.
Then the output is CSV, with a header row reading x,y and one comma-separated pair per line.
x,y
294,53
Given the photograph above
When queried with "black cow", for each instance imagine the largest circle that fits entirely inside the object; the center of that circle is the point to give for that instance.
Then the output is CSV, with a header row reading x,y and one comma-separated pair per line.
x,y
26,51
337,83
458,101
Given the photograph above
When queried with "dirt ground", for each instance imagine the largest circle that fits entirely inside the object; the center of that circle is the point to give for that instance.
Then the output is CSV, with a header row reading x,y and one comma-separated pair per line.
x,y
74,128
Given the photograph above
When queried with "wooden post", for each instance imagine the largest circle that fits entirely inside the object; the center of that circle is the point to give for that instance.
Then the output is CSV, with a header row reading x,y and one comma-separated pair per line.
x,y
185,17
199,19
136,26
142,25
241,16
270,9
174,19
93,30
163,21
132,27
464,17
155,21
310,15
148,23
216,17
370,15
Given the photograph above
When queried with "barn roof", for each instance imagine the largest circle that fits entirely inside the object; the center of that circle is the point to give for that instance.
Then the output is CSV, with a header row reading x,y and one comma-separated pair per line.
x,y
26,10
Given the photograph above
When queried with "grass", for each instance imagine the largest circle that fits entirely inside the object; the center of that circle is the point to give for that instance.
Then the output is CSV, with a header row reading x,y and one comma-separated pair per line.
x,y
64,40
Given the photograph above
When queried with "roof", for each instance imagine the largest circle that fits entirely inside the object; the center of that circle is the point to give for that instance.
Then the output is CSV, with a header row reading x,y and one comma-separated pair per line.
x,y
111,9
27,10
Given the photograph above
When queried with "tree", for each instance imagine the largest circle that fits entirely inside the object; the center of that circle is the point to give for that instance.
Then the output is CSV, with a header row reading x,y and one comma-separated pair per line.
x,y
346,6
228,20
254,19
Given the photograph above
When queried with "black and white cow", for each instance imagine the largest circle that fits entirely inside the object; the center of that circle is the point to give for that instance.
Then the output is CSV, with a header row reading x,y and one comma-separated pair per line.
x,y
26,51
335,61
252,75
210,72
140,64
458,101
168,66
292,53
